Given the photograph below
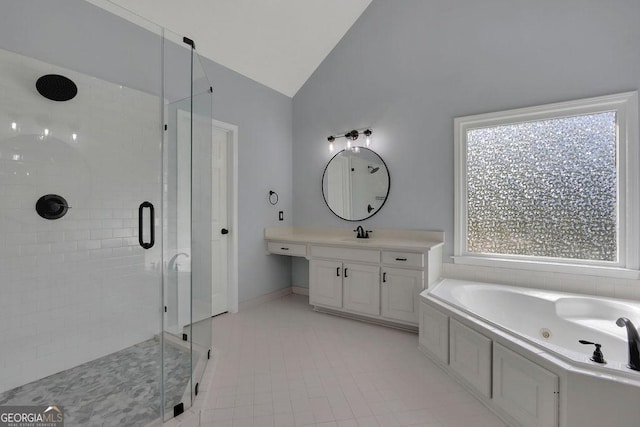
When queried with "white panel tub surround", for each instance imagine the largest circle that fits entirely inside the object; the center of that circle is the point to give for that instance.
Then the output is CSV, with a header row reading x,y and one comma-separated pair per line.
x,y
537,373
377,279
470,356
434,332
525,391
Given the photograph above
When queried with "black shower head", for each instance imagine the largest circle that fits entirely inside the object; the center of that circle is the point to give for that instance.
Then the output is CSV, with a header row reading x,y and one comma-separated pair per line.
x,y
373,170
56,87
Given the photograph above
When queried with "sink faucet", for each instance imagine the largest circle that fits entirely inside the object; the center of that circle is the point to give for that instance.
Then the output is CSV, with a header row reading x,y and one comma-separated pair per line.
x,y
634,342
362,233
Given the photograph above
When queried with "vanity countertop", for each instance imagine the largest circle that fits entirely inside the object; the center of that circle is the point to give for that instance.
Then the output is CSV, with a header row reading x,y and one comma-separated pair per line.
x,y
380,238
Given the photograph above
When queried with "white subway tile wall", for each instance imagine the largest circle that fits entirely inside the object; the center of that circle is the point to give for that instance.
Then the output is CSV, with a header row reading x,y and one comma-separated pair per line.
x,y
79,287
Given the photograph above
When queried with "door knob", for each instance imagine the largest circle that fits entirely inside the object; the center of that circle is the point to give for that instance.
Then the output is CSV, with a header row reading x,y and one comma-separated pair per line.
x,y
224,231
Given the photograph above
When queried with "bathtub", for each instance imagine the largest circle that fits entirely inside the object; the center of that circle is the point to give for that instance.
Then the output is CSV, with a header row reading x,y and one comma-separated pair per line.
x,y
542,328
552,320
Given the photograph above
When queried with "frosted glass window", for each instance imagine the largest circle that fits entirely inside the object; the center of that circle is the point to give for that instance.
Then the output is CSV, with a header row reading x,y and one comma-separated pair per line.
x,y
550,188
544,188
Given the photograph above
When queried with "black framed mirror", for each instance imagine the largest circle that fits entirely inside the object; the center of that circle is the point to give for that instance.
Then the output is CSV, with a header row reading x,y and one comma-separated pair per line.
x,y
355,184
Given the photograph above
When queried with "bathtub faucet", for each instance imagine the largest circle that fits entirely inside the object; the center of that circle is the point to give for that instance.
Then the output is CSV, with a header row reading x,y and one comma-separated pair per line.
x,y
634,342
173,265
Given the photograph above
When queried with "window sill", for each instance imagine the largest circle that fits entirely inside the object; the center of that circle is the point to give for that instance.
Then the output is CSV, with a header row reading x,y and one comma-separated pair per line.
x,y
583,269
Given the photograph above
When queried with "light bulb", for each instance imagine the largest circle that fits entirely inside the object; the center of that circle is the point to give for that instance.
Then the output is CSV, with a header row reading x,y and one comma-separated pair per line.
x,y
14,126
74,136
331,147
368,140
46,132
348,143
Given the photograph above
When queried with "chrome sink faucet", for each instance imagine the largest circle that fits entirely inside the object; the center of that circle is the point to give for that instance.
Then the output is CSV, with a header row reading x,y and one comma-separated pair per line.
x,y
634,342
362,233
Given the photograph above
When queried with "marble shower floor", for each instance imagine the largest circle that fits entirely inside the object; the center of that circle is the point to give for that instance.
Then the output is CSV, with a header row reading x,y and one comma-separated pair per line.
x,y
120,389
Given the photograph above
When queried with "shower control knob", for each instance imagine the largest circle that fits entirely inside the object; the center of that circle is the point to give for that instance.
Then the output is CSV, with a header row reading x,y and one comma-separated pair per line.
x,y
224,231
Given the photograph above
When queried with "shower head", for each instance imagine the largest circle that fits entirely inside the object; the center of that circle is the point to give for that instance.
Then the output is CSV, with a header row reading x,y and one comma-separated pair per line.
x,y
373,170
56,87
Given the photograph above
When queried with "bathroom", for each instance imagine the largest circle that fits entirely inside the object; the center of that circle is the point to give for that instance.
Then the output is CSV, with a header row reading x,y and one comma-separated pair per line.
x,y
404,70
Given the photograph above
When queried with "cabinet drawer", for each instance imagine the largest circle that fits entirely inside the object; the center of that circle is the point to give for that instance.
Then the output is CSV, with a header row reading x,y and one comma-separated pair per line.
x,y
346,254
406,259
292,249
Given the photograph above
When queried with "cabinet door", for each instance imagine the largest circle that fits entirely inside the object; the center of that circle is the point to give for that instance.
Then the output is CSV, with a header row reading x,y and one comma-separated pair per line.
x,y
470,356
325,283
361,288
524,390
400,291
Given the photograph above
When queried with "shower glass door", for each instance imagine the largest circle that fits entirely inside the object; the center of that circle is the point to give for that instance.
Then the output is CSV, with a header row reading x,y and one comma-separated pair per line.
x,y
187,278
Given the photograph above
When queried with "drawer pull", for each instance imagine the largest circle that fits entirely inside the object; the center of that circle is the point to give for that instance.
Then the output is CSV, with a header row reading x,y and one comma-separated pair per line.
x,y
338,271
384,277
284,249
401,259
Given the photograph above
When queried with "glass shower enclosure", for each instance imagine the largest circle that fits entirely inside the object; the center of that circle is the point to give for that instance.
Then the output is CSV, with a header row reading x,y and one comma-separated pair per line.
x,y
104,292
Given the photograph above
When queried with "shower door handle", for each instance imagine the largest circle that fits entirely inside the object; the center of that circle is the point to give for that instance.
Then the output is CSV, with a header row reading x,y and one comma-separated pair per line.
x,y
152,238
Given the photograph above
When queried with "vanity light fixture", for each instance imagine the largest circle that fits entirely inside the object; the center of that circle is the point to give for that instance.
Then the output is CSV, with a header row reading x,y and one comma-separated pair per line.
x,y
351,136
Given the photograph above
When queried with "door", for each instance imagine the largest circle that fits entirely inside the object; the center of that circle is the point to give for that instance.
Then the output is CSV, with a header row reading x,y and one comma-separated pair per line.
x,y
361,288
325,283
219,221
400,289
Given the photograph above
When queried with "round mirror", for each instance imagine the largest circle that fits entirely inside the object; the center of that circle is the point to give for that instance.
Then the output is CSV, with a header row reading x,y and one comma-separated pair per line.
x,y
355,184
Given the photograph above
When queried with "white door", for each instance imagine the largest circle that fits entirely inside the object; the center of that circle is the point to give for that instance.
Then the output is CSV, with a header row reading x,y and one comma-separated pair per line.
x,y
219,221
361,288
325,283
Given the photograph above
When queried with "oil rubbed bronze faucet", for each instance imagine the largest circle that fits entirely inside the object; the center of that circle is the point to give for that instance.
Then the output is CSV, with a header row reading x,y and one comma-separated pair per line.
x,y
634,342
362,233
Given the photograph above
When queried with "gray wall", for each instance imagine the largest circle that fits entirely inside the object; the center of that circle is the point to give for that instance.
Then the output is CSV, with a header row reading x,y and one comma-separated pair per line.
x,y
263,117
407,68
103,45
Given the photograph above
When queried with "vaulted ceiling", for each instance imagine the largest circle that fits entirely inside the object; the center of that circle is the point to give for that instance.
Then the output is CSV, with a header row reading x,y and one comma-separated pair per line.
x,y
278,43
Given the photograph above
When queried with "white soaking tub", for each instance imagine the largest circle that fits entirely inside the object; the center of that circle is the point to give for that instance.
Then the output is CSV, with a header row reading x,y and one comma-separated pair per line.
x,y
500,340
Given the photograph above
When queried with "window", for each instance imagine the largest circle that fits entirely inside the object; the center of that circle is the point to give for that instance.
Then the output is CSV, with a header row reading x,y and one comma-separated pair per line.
x,y
553,185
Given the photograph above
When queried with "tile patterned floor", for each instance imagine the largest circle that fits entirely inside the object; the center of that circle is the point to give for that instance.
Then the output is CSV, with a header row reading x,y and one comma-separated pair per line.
x,y
121,389
283,365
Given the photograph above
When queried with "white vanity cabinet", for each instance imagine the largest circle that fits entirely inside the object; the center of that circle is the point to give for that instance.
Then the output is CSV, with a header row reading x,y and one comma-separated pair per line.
x,y
350,286
355,276
378,278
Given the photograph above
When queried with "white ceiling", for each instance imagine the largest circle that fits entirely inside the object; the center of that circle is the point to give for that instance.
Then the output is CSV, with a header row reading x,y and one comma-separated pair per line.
x,y
278,43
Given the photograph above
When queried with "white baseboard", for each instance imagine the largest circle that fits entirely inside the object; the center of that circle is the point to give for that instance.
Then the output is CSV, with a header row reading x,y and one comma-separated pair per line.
x,y
263,298
299,290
